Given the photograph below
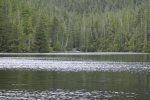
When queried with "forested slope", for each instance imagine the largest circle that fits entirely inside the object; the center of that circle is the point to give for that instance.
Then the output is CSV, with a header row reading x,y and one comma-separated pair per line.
x,y
86,25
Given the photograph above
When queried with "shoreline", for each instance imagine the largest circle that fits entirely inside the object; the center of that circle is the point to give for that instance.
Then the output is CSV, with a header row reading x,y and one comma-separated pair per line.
x,y
79,53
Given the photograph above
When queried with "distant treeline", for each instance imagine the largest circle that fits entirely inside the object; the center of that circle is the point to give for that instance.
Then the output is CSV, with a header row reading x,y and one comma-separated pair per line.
x,y
84,25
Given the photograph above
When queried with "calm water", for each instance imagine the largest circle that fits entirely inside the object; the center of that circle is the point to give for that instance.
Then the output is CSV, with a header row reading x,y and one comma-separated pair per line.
x,y
71,76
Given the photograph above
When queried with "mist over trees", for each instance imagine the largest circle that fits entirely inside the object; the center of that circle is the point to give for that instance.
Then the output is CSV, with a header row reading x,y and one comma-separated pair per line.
x,y
84,25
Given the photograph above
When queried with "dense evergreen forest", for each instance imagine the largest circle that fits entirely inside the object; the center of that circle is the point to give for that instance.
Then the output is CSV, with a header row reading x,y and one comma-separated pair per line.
x,y
65,25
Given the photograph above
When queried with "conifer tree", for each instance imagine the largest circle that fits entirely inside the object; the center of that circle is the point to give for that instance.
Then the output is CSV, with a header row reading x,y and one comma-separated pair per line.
x,y
41,42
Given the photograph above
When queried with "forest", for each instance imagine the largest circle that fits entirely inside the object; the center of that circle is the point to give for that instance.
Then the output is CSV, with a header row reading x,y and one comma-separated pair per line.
x,y
82,25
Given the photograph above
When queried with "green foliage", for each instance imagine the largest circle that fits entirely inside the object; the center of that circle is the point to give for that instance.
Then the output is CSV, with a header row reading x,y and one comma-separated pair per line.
x,y
41,43
5,26
60,25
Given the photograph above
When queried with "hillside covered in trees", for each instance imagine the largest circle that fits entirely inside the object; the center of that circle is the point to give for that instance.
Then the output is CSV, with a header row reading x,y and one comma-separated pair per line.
x,y
86,25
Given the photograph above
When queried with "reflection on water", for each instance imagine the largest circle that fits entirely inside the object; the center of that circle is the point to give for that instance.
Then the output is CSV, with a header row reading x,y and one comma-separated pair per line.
x,y
71,77
71,64
74,85
60,94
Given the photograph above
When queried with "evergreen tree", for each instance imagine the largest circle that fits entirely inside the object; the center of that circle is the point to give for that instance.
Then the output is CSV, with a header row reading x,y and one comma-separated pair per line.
x,y
85,25
55,34
41,43
5,26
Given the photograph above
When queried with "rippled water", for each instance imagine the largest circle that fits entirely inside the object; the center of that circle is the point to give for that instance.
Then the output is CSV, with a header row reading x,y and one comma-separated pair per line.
x,y
71,76
70,64
60,94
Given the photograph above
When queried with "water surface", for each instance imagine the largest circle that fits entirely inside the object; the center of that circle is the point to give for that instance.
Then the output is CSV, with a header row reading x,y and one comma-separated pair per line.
x,y
105,76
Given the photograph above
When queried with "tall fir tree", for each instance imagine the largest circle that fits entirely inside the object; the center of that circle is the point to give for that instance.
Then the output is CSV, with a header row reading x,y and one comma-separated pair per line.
x,y
41,42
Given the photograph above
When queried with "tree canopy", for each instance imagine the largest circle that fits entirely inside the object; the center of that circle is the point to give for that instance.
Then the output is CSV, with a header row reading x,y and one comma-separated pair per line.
x,y
84,25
